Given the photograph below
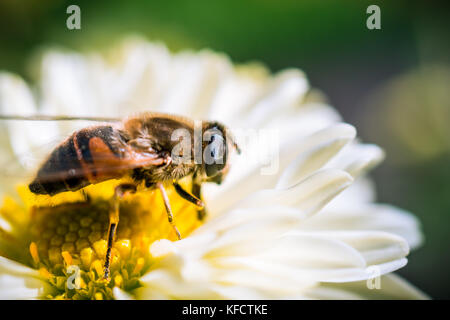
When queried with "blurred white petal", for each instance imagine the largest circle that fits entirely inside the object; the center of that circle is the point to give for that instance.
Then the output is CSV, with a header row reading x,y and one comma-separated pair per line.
x,y
391,287
19,282
367,217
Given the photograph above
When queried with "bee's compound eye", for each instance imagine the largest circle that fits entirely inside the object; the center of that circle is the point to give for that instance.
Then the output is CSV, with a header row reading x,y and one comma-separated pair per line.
x,y
215,155
37,187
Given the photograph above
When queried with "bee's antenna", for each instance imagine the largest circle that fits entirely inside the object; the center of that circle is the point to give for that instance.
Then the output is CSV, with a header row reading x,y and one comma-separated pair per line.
x,y
238,150
39,117
233,142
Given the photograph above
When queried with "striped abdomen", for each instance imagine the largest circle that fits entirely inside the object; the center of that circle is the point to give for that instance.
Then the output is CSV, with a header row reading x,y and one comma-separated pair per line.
x,y
88,156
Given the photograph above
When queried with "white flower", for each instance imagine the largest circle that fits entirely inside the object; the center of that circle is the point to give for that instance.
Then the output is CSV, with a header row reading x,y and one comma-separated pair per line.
x,y
292,234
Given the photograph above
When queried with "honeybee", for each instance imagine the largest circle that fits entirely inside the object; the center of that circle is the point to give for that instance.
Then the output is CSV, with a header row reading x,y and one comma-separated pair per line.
x,y
155,149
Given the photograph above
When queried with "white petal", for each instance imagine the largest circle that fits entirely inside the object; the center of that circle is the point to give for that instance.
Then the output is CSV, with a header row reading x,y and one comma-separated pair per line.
x,y
277,283
240,217
308,195
119,294
161,284
310,251
367,216
391,287
19,282
310,161
396,287
375,246
332,262
357,274
237,91
68,86
357,158
249,238
136,79
241,292
362,190
304,121
194,83
287,88
16,99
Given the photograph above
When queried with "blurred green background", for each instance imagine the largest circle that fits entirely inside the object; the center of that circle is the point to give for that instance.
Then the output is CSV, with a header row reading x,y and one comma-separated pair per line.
x,y
392,84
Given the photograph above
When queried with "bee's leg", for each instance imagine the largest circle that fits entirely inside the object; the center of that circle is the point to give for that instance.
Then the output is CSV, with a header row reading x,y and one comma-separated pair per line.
x,y
119,192
187,196
196,191
168,209
167,158
86,196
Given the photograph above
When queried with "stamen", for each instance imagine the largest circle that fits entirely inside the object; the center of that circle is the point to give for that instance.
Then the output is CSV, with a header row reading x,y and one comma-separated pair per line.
x,y
86,256
61,282
34,252
124,248
139,265
98,296
67,258
118,280
82,283
44,273
98,267
100,247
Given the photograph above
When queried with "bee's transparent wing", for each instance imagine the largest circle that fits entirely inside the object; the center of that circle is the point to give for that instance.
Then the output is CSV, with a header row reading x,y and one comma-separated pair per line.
x,y
41,117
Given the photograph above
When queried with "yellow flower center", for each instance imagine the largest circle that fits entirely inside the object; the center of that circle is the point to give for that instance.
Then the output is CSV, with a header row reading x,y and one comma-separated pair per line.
x,y
66,234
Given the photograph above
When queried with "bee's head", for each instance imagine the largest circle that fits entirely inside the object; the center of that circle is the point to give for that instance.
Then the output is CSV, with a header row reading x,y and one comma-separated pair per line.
x,y
217,144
